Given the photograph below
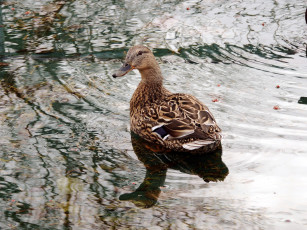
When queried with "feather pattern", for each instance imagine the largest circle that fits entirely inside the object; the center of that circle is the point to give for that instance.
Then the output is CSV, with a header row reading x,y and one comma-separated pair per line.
x,y
188,123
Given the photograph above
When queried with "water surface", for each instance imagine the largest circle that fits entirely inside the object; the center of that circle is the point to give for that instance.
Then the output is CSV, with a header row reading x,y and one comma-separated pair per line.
x,y
66,157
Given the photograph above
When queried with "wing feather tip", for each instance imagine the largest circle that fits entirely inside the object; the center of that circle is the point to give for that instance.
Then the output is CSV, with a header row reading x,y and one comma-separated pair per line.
x,y
197,144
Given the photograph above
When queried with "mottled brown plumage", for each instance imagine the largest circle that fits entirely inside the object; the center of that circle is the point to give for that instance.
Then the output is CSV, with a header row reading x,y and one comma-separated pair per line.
x,y
176,121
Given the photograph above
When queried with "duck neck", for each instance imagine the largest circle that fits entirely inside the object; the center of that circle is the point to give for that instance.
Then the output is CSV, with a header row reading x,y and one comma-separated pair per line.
x,y
152,76
149,90
152,84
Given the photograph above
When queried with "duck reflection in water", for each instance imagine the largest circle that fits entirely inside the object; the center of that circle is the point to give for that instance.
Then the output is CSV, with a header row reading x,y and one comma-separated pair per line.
x,y
156,159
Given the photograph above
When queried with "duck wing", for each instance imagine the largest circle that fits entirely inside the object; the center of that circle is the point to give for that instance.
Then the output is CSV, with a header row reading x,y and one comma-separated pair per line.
x,y
182,116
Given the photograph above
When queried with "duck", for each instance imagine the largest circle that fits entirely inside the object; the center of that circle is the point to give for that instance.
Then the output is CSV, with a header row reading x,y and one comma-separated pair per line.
x,y
176,121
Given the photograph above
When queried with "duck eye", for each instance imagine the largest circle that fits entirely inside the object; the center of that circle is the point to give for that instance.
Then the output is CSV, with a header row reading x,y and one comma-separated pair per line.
x,y
139,53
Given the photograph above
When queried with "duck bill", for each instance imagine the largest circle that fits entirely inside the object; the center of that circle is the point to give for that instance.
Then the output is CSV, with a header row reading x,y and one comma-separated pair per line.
x,y
123,70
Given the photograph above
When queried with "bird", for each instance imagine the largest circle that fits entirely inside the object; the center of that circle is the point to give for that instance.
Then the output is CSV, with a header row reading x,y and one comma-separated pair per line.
x,y
176,121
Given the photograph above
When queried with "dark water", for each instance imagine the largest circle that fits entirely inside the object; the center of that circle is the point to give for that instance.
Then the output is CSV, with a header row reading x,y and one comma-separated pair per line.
x,y
66,155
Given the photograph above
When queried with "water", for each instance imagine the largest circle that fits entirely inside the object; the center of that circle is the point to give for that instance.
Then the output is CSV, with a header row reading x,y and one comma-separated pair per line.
x,y
66,158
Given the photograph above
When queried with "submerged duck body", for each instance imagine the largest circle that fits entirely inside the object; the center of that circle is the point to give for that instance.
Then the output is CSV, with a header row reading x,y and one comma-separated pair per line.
x,y
178,122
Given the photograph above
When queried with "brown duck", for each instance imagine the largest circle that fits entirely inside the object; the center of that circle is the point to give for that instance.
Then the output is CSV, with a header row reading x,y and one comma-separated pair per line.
x,y
177,121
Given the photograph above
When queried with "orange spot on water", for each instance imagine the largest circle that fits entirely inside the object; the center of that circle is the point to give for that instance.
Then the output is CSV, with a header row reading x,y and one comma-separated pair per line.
x,y
276,107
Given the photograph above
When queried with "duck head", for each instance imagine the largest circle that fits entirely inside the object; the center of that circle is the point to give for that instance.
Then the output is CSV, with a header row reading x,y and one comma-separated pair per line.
x,y
138,57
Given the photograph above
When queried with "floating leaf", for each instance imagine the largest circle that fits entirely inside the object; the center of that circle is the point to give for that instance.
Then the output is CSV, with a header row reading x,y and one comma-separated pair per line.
x,y
276,107
4,64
